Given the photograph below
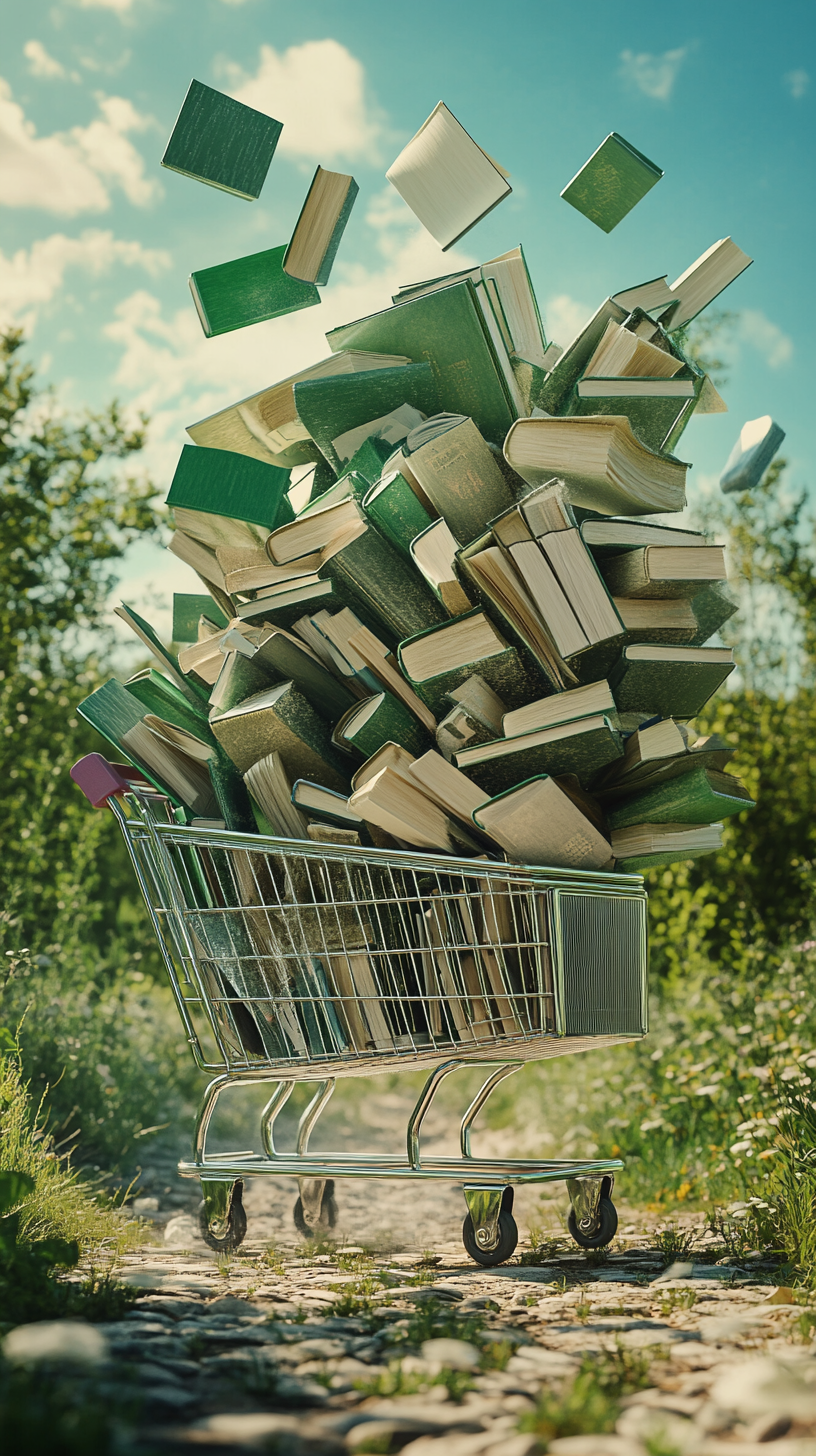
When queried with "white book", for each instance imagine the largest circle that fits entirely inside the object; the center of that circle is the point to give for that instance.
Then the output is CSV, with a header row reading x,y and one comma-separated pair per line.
x,y
446,178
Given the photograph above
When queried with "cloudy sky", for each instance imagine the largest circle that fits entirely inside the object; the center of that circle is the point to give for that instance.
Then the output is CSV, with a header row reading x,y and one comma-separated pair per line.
x,y
98,240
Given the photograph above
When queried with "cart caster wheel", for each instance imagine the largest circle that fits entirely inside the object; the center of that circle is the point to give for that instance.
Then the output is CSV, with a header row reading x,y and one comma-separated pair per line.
x,y
604,1231
327,1218
232,1229
508,1238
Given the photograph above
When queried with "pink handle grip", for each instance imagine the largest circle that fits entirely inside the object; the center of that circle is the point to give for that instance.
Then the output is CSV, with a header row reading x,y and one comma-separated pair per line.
x,y
98,779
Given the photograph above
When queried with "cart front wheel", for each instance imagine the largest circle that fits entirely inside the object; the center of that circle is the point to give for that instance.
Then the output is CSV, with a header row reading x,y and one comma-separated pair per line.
x,y
326,1219
228,1233
508,1238
604,1231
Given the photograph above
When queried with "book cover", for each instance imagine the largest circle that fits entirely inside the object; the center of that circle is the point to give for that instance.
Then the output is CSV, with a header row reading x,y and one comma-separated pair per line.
x,y
446,329
281,721
186,611
221,483
378,720
396,511
545,670
537,823
583,748
283,659
158,695
756,447
612,182
368,460
712,608
504,671
247,291
387,588
669,682
459,476
554,393
222,142
168,660
446,178
231,793
332,406
657,422
311,259
698,797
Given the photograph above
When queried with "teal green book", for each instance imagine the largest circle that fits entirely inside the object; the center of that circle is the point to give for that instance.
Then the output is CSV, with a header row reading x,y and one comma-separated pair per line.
x,y
658,421
554,393
466,646
321,224
699,797
641,864
396,511
352,483
369,459
231,793
160,696
378,720
113,712
583,747
186,612
445,328
331,406
712,609
607,187
168,660
238,679
371,572
222,142
669,682
223,483
248,291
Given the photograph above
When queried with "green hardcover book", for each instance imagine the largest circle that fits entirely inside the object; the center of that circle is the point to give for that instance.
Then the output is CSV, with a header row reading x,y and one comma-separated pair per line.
x,y
557,388
238,680
222,483
352,483
610,184
440,659
368,460
658,420
662,770
669,682
285,608
222,142
641,864
387,588
712,609
699,797
160,696
281,721
396,511
231,793
322,222
332,406
168,660
583,747
445,328
248,291
378,720
283,659
114,713
458,474
186,611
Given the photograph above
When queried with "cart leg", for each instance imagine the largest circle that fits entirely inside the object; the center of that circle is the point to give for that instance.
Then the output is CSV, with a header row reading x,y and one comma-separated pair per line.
x,y
315,1212
489,1232
222,1219
592,1219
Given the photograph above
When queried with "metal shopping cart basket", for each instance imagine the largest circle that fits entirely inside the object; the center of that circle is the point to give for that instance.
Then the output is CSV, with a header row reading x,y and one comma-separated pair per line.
x,y
293,961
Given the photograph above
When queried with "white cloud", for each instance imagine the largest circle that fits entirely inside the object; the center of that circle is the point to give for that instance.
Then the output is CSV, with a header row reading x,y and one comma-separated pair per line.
x,y
564,317
765,336
64,173
797,83
40,63
318,91
653,75
30,278
119,6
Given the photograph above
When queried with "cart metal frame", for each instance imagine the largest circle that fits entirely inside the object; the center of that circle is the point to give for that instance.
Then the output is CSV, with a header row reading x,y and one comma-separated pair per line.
x,y
284,955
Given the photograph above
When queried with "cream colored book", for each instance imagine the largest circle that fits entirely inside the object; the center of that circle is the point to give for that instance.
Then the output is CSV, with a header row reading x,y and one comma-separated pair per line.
x,y
391,755
479,700
201,558
452,790
538,824
382,663
185,776
623,353
679,839
316,531
664,571
204,658
652,614
271,788
216,531
446,178
603,464
505,586
403,810
581,702
718,266
433,552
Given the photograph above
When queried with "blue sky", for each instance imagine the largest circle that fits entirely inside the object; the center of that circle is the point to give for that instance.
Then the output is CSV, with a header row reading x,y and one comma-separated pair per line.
x,y
98,240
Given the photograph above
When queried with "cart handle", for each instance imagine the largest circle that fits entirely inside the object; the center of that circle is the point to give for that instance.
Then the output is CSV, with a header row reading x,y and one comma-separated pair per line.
x,y
98,779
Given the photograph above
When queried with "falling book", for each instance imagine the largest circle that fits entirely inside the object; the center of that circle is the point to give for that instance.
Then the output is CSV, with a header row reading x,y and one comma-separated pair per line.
x,y
318,230
623,352
695,289
610,184
223,484
222,142
446,178
538,824
758,442
604,464
247,291
504,286
643,847
316,532
664,571
698,797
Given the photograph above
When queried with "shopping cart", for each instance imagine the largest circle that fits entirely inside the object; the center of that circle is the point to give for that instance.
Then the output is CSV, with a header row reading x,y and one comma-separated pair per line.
x,y
293,961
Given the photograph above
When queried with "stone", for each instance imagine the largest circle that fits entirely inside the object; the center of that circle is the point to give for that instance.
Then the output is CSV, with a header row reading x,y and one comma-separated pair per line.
x,y
764,1386
233,1305
145,1205
260,1430
451,1354
182,1232
63,1342
657,1428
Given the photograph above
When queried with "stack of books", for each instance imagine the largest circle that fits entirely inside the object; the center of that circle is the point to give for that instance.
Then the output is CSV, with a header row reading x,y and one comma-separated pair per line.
x,y
475,638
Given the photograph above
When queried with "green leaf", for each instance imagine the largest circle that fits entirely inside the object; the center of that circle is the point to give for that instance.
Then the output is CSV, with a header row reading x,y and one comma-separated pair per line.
x,y
9,1227
8,1043
57,1251
14,1188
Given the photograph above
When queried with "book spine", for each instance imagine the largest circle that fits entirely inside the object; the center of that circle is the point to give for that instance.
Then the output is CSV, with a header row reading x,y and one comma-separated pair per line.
x,y
200,309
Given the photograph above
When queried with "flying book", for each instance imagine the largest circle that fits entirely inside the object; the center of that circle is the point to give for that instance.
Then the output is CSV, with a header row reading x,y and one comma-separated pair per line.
x,y
333,407
610,184
457,473
329,806
439,660
664,571
623,352
756,447
643,847
610,537
582,747
674,682
281,720
446,178
378,720
270,787
247,291
224,484
698,797
433,552
187,613
585,701
537,823
605,466
222,142
718,266
397,512
508,293
313,246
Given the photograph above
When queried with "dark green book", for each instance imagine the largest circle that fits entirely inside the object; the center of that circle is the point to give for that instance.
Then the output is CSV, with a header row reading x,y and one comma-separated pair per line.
x,y
168,660
186,612
248,291
331,406
669,682
280,720
396,511
158,695
378,720
699,797
323,476
320,227
658,420
223,483
114,712
375,575
440,659
231,793
712,609
445,328
554,393
283,659
222,142
238,679
610,184
285,608
369,459
583,747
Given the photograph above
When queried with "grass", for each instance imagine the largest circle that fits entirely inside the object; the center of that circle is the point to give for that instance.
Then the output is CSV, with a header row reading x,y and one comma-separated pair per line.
x,y
589,1404
672,1243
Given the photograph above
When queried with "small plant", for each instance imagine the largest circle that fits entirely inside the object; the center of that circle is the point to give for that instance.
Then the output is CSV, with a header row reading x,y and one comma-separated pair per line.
x,y
428,1259
596,1258
223,1263
675,1244
582,1311
675,1299
354,1263
541,1251
356,1301
272,1260
590,1403
435,1319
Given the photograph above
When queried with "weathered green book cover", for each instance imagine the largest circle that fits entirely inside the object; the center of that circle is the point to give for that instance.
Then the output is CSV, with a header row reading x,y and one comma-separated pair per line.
x,y
513,678
288,607
280,720
238,680
389,722
226,484
712,608
248,291
283,660
369,459
113,711
667,689
583,754
186,611
330,406
658,421
397,512
168,659
640,864
222,142
694,798
660,771
158,695
446,329
610,184
337,232
370,570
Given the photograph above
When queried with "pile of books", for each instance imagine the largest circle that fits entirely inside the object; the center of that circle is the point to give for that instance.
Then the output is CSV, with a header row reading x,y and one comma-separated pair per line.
x,y
473,638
